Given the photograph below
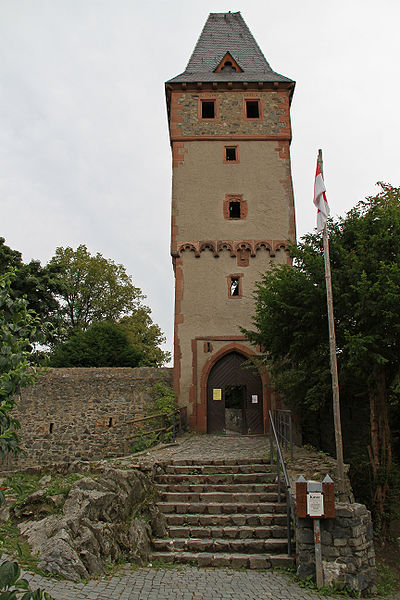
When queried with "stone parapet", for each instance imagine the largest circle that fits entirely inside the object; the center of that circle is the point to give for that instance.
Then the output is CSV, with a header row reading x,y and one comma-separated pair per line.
x,y
81,413
348,555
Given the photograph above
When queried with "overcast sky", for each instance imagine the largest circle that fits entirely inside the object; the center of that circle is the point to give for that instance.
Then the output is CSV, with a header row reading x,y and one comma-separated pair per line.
x,y
84,147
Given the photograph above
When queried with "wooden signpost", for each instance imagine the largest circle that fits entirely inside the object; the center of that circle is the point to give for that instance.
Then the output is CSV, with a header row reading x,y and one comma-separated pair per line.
x,y
317,501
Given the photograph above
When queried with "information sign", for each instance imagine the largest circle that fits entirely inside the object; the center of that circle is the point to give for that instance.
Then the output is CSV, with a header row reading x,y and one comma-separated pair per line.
x,y
217,394
315,504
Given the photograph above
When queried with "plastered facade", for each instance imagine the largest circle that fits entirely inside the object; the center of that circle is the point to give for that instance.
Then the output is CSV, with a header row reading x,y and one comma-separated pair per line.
x,y
206,245
202,181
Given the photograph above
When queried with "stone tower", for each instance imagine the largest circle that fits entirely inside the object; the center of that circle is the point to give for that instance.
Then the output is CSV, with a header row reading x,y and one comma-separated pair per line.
x,y
232,214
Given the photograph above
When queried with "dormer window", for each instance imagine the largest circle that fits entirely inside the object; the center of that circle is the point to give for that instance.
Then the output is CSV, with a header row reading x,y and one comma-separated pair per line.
x,y
228,66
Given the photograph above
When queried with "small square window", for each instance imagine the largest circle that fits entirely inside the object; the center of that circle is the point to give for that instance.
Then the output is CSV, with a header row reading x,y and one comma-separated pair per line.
x,y
234,209
252,109
208,109
230,153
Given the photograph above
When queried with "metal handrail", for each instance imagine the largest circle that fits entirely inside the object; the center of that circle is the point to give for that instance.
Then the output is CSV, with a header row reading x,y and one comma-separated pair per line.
x,y
280,463
284,428
181,411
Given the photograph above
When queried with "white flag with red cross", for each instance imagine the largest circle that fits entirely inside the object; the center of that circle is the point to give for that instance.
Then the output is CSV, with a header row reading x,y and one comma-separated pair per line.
x,y
320,200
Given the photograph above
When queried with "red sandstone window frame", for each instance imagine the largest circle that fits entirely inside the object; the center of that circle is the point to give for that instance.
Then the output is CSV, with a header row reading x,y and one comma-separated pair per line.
x,y
260,108
229,279
231,162
243,207
200,109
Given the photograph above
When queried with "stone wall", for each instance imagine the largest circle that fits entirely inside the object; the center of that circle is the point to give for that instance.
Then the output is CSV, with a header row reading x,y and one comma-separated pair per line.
x,y
81,414
348,556
230,116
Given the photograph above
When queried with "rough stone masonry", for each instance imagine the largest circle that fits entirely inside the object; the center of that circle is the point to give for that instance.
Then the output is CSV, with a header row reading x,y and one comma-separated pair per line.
x,y
348,555
81,414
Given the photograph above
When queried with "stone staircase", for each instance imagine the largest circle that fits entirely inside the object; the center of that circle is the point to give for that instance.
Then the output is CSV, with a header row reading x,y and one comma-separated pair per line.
x,y
222,512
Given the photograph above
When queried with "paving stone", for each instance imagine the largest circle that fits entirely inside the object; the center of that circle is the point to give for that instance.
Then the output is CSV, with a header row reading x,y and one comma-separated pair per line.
x,y
186,582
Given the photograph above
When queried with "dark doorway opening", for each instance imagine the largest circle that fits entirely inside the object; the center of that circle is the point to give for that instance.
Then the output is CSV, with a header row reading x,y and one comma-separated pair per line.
x,y
234,397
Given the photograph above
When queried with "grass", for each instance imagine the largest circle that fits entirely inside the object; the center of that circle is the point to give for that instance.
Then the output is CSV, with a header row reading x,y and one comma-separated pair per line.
x,y
21,485
335,589
62,485
113,566
14,545
387,581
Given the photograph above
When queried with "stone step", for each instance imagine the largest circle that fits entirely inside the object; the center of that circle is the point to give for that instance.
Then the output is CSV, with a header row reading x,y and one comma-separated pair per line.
x,y
219,497
227,532
220,461
245,546
214,508
199,488
216,478
206,469
226,520
221,559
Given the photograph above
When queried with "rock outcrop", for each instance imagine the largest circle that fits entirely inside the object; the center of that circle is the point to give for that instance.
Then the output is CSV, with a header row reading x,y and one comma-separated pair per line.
x,y
102,520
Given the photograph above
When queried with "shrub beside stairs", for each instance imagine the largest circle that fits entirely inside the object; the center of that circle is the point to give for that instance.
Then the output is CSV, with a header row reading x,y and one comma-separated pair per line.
x,y
222,513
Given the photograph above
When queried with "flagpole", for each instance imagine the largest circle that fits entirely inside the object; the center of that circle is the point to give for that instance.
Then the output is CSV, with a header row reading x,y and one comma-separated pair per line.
x,y
332,347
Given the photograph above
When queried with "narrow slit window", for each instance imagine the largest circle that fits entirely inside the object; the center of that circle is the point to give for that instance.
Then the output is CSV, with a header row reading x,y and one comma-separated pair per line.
x,y
252,109
234,288
208,109
110,422
234,210
51,427
230,154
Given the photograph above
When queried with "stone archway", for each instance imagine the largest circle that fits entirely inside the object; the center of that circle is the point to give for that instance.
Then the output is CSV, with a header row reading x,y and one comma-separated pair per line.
x,y
234,396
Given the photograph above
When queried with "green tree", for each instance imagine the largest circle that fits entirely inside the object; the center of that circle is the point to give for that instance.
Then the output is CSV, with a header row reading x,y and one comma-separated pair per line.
x,y
18,327
93,288
146,336
39,285
101,345
17,330
291,324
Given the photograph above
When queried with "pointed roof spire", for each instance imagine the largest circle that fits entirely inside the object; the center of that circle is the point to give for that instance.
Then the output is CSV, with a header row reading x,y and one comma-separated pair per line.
x,y
227,33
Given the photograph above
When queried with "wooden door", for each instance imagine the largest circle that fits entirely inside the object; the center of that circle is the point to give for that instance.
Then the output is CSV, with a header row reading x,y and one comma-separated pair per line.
x,y
232,376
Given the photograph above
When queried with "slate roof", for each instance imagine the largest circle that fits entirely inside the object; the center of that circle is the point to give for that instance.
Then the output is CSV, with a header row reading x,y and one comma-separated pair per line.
x,y
222,33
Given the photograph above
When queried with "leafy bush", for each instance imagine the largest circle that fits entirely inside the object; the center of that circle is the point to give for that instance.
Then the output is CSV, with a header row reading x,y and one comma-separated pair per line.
x,y
101,345
12,587
163,397
163,402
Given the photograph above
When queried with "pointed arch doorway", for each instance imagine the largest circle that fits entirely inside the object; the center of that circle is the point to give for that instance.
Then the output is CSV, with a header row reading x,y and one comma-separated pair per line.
x,y
234,397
